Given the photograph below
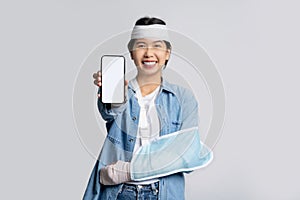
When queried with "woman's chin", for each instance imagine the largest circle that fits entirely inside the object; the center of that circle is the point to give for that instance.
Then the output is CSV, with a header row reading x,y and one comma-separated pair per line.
x,y
149,67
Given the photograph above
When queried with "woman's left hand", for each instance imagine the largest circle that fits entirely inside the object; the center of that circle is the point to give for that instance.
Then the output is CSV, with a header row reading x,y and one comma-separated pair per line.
x,y
116,173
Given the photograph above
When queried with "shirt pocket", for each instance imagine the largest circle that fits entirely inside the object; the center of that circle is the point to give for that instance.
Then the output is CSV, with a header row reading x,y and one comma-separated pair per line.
x,y
175,125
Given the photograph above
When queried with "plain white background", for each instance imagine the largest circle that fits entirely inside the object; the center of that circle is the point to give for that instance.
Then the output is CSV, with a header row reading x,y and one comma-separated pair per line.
x,y
255,45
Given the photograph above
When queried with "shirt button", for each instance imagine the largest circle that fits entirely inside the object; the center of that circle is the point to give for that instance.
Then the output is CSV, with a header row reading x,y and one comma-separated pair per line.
x,y
140,186
133,118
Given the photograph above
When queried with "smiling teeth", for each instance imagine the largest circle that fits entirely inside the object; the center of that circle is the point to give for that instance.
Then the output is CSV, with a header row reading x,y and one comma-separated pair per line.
x,y
149,63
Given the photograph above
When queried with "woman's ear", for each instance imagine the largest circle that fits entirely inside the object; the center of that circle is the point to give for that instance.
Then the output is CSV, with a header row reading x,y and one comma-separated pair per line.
x,y
131,56
168,54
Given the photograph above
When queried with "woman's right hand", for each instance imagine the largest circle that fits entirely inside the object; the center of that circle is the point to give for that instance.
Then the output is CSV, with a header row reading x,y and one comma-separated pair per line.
x,y
97,79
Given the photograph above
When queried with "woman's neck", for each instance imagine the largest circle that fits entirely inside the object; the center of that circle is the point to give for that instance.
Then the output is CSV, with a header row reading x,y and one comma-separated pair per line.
x,y
148,84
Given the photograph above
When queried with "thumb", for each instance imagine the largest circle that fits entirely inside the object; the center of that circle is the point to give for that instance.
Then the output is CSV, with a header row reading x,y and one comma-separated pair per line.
x,y
126,89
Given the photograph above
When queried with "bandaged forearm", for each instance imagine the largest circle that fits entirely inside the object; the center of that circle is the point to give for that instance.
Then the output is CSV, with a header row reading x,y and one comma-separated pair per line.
x,y
181,151
115,173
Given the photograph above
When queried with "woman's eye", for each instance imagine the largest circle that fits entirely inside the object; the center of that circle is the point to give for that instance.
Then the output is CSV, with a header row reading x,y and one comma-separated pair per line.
x,y
141,46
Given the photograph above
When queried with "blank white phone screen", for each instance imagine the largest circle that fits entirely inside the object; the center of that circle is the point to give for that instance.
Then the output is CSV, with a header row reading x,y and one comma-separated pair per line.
x,y
113,71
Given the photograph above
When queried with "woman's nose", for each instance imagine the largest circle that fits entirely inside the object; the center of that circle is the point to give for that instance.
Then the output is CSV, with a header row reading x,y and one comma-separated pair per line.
x,y
148,52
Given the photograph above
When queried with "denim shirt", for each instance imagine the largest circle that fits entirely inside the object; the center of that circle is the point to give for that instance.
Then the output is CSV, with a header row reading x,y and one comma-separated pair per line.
x,y
177,109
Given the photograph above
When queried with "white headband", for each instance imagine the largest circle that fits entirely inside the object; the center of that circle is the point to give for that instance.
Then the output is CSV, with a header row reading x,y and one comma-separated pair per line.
x,y
157,31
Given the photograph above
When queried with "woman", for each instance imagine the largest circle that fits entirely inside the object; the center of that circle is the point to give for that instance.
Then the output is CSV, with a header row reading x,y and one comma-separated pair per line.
x,y
153,108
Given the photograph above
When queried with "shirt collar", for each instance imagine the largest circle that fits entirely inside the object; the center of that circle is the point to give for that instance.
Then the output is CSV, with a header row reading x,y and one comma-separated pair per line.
x,y
165,86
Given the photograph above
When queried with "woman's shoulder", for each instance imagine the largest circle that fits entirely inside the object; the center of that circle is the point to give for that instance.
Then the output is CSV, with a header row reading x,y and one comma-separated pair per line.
x,y
180,91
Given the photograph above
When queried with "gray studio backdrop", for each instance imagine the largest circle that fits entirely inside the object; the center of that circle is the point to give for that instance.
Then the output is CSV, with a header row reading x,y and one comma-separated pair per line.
x,y
254,45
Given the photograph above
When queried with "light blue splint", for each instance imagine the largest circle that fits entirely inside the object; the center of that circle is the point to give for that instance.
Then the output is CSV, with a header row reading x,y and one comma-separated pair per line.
x,y
180,151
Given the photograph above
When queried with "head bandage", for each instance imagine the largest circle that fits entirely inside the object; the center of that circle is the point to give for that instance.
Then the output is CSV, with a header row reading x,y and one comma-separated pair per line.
x,y
157,31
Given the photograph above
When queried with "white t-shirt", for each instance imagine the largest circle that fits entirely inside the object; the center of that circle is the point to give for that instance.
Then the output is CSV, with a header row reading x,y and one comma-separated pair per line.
x,y
149,125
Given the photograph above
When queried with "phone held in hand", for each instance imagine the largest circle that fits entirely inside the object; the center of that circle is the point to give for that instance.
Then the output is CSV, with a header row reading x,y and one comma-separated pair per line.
x,y
113,79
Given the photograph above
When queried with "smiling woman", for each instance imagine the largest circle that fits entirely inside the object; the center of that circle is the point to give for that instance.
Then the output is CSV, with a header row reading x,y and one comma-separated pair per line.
x,y
154,116
149,57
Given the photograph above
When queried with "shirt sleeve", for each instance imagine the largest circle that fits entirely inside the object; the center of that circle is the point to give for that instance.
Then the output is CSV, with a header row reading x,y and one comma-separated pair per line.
x,y
94,187
110,111
190,116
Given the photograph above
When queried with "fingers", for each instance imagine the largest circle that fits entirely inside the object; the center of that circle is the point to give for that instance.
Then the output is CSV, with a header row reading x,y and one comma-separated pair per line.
x,y
97,74
97,79
116,173
105,177
98,82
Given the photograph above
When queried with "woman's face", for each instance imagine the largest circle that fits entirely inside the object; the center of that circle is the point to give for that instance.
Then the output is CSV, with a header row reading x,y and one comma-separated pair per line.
x,y
150,56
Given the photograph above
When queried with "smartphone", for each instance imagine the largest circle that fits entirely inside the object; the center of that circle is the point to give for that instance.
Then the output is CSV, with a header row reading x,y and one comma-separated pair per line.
x,y
113,79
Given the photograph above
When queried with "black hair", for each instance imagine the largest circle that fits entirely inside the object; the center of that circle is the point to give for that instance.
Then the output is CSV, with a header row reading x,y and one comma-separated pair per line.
x,y
149,21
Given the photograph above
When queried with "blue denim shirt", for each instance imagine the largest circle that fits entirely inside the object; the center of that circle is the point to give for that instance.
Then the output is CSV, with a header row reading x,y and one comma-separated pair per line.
x,y
177,109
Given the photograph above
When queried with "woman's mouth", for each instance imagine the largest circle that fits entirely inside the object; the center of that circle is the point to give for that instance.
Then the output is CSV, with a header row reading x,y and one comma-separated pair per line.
x,y
149,64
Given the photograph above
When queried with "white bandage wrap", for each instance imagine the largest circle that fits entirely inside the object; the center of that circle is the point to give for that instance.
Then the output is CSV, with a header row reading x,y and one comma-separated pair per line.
x,y
116,173
155,31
